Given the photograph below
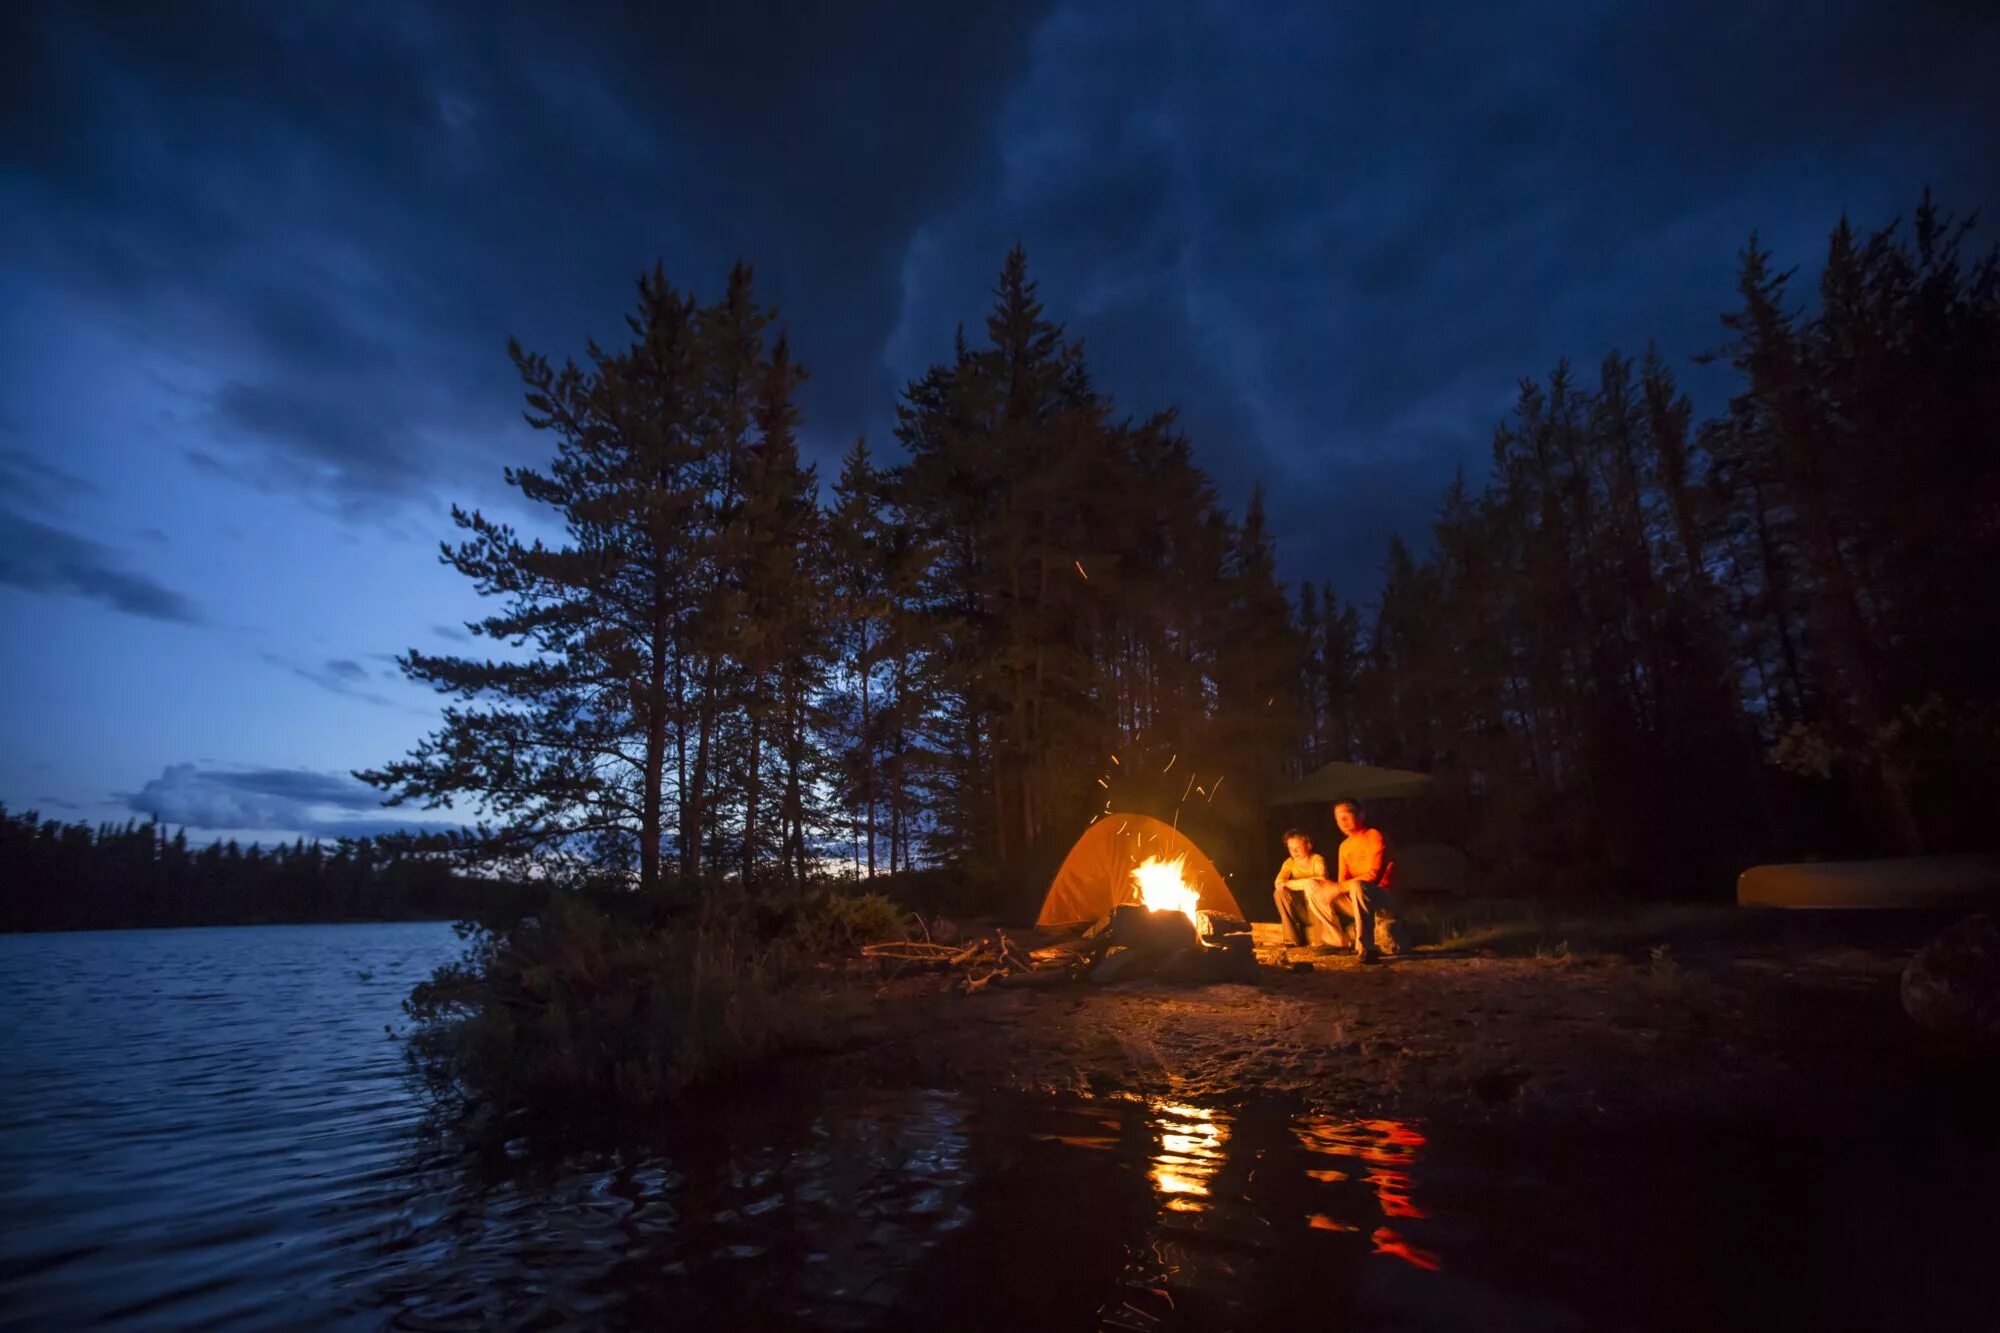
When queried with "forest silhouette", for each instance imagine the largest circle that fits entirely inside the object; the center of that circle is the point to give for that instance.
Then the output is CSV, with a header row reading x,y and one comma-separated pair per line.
x,y
77,876
1648,650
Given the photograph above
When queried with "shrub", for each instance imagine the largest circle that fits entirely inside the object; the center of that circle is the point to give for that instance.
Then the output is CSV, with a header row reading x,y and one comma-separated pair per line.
x,y
838,922
573,1009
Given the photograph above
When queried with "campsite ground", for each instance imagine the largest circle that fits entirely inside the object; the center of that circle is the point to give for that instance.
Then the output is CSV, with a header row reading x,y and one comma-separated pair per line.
x,y
1505,1015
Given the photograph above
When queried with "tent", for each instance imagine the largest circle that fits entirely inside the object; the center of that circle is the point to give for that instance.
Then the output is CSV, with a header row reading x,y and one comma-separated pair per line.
x,y
1096,876
1325,785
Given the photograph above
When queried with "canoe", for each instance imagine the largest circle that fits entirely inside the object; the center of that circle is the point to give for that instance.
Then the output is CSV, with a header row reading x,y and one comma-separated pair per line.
x,y
1926,882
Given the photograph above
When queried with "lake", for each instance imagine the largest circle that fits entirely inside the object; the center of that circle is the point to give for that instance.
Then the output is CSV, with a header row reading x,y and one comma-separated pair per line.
x,y
212,1129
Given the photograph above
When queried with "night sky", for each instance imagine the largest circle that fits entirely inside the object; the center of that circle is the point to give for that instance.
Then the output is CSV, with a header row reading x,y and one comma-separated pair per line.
x,y
258,266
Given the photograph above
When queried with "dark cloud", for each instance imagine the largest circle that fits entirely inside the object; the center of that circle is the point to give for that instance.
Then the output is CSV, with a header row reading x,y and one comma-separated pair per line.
x,y
361,208
296,801
342,676
312,440
452,632
295,784
42,559
39,484
1335,237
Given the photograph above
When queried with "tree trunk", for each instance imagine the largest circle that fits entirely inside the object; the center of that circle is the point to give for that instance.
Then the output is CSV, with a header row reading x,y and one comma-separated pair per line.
x,y
867,753
656,758
694,811
680,765
753,780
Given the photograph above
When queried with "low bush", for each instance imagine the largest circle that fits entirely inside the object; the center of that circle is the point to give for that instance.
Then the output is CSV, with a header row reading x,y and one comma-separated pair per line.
x,y
577,1009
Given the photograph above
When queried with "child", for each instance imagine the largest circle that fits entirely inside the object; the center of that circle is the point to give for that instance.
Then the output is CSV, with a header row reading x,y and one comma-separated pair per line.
x,y
1306,896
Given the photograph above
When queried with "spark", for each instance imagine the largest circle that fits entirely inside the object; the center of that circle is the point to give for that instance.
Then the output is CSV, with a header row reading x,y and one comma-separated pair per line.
x,y
1079,569
1102,783
1202,790
1216,788
1114,759
1190,787
1170,763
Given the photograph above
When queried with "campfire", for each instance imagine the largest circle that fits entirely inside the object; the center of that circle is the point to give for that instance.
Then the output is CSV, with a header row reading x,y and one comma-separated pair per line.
x,y
1161,932
1160,886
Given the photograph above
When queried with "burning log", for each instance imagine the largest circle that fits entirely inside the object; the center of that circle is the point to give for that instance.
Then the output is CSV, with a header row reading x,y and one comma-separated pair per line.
x,y
1154,932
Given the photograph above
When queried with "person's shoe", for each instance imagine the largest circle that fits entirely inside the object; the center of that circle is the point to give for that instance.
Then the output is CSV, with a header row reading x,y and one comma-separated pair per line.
x,y
1367,956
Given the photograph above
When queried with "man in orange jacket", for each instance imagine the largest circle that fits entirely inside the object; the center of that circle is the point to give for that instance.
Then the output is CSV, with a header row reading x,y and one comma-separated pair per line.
x,y
1364,874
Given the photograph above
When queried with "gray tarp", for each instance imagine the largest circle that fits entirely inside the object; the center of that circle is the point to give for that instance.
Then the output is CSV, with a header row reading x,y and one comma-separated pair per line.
x,y
1325,785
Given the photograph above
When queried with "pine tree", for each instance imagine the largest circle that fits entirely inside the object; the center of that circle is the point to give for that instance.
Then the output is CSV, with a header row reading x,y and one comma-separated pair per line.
x,y
630,623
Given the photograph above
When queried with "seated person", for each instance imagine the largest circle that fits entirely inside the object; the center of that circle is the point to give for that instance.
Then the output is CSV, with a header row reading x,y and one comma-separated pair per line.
x,y
1305,896
1364,874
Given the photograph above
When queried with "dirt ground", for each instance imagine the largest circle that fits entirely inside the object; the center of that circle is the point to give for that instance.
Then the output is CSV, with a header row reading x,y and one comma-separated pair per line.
x,y
1709,1022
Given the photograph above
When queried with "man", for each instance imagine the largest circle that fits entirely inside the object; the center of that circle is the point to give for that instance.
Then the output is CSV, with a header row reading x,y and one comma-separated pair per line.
x,y
1364,874
1306,896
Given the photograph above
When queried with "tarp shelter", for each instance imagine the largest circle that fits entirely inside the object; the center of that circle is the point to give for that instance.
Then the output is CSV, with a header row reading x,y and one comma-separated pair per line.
x,y
1325,785
1096,876
1960,883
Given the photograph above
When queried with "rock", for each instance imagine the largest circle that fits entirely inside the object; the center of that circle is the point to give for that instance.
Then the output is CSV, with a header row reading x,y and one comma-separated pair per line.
x,y
1183,965
1120,965
1952,986
1390,937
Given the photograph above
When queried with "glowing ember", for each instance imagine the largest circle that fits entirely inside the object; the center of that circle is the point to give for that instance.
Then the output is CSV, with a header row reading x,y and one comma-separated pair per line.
x,y
1162,888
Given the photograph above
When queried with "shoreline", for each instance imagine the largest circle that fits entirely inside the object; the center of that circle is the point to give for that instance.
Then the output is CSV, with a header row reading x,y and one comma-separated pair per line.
x,y
1726,1033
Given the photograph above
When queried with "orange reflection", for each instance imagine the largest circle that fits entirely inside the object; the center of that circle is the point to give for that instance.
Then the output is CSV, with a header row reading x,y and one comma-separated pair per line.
x,y
1388,1242
1190,1153
1392,1191
1389,1148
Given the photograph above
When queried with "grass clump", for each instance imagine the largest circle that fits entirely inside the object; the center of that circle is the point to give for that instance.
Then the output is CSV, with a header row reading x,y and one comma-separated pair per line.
x,y
1545,929
575,1009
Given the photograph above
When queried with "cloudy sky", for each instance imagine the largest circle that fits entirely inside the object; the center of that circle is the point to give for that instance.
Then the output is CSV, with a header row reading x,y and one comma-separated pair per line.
x,y
258,265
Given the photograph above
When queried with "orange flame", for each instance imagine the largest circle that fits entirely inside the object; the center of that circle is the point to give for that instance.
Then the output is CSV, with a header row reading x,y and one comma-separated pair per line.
x,y
1162,887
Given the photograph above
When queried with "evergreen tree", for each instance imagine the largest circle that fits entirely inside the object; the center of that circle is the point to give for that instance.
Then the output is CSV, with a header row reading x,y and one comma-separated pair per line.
x,y
674,466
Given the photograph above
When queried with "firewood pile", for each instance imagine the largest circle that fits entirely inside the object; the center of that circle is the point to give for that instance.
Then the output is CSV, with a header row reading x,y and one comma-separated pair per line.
x,y
1130,943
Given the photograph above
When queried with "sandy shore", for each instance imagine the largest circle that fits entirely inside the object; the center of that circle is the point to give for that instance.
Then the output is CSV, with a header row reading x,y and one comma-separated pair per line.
x,y
1704,1028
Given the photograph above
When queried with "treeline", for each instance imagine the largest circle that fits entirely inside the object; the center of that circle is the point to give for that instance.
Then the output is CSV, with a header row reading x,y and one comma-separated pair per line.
x,y
1039,609
1650,650
1647,651
56,876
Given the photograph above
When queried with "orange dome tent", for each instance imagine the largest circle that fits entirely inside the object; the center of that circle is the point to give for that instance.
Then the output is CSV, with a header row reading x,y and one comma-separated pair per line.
x,y
1096,876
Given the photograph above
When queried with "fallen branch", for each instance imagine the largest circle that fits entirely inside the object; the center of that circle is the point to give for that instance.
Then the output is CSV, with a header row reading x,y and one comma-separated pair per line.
x,y
913,951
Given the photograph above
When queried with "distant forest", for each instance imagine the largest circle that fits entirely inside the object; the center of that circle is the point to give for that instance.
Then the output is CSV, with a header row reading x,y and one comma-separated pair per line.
x,y
1648,650
56,876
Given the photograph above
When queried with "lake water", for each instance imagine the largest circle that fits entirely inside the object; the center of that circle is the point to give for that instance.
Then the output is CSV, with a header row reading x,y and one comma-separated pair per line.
x,y
212,1129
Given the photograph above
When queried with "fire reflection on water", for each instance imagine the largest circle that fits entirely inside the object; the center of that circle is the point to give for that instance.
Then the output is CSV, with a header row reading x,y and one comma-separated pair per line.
x,y
1253,1222
1189,1155
1192,1147
1388,1150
